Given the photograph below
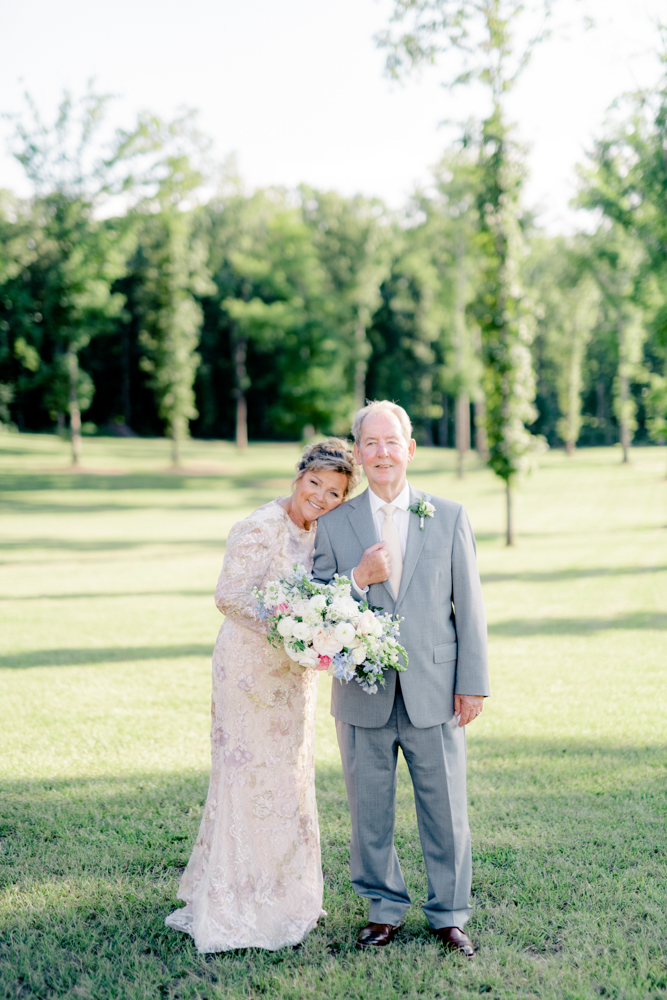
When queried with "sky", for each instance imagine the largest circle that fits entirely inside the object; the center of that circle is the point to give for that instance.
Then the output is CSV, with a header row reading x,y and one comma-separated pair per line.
x,y
295,89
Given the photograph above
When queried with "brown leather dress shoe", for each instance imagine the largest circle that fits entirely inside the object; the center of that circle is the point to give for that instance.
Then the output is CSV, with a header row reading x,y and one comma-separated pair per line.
x,y
454,939
376,935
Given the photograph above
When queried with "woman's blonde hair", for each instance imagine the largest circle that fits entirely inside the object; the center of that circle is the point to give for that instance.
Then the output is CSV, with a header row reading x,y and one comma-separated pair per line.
x,y
332,455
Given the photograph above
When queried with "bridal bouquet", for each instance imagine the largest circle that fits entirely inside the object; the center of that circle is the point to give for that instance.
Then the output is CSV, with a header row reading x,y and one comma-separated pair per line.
x,y
321,626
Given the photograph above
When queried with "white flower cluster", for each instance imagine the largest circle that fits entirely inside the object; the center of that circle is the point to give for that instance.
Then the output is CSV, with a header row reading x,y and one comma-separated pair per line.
x,y
321,626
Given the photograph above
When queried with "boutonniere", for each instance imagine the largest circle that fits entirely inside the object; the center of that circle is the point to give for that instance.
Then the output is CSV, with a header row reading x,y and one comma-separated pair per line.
x,y
424,509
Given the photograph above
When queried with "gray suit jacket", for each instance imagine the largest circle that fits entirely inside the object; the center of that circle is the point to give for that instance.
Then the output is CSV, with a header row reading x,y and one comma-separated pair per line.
x,y
440,600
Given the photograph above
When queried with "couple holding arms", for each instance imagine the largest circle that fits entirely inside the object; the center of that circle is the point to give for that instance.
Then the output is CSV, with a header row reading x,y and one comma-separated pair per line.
x,y
254,879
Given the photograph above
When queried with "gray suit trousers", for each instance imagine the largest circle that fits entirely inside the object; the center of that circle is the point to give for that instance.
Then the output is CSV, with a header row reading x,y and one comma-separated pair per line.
x,y
436,758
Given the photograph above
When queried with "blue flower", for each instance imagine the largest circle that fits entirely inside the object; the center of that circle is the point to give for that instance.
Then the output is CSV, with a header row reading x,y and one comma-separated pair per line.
x,y
344,667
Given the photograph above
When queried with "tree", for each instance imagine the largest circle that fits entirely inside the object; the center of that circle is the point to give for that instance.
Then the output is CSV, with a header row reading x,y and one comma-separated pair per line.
x,y
20,320
79,256
405,334
628,289
656,408
476,38
626,178
172,261
579,318
274,293
562,274
354,239
453,233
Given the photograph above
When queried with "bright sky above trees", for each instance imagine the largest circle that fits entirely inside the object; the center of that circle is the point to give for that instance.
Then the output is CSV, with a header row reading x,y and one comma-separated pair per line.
x,y
296,89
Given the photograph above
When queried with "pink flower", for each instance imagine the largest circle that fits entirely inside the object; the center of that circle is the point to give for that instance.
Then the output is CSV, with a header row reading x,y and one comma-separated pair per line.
x,y
280,608
324,662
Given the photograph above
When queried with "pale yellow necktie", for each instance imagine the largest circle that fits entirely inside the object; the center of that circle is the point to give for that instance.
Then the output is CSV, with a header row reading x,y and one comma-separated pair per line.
x,y
392,542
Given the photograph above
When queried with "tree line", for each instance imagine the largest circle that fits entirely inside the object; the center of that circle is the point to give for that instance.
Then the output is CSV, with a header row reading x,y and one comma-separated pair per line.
x,y
132,304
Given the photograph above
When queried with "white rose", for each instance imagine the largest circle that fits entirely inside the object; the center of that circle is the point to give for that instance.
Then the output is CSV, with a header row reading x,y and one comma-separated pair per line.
x,y
325,642
345,608
286,627
300,609
345,633
368,623
359,653
308,658
318,602
301,631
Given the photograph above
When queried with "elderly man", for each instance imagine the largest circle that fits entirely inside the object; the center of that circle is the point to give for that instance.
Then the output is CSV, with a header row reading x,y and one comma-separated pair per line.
x,y
422,568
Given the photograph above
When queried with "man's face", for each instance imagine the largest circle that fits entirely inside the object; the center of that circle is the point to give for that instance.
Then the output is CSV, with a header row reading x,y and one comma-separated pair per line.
x,y
384,453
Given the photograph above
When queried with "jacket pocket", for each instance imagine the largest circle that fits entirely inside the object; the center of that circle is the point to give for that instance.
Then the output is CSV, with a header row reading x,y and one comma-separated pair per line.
x,y
441,654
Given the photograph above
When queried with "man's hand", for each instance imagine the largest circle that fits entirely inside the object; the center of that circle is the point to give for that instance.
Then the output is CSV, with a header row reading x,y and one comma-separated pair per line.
x,y
466,706
374,566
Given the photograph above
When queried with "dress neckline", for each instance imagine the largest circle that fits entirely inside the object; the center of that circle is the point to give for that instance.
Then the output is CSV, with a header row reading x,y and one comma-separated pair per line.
x,y
291,523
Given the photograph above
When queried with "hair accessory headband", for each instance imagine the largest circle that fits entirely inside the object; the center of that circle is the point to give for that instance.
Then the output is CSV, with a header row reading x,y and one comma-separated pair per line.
x,y
319,453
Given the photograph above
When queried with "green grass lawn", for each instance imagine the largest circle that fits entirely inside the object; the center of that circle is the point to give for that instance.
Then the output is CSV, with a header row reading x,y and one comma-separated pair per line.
x,y
107,623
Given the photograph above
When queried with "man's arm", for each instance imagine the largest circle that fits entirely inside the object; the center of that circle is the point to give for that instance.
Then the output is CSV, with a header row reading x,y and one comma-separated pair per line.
x,y
373,567
472,672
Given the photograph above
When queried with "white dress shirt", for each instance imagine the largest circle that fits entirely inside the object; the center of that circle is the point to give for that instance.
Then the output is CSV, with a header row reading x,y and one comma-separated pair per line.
x,y
401,520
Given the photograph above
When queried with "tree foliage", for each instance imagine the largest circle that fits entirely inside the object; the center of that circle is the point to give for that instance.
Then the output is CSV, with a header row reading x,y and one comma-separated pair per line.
x,y
271,313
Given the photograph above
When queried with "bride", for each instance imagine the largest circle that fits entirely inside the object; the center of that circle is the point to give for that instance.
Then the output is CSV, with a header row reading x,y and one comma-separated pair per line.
x,y
254,879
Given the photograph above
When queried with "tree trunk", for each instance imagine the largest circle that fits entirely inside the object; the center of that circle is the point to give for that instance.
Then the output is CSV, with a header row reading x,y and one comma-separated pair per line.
x,y
623,422
176,434
74,411
241,377
600,408
481,437
462,430
510,512
443,427
125,404
360,365
241,422
428,433
569,448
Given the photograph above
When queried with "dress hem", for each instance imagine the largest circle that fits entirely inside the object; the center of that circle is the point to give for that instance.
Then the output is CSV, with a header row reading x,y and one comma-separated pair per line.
x,y
179,920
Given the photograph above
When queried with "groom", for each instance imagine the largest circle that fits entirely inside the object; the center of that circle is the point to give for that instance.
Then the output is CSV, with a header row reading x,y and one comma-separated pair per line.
x,y
429,577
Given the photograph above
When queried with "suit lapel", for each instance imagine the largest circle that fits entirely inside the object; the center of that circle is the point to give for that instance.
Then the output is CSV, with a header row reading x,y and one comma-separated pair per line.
x,y
361,519
362,523
413,549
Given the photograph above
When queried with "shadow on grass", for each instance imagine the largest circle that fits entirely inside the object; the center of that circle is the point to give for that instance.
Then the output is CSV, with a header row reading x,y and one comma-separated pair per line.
x,y
108,596
265,478
517,627
554,576
103,545
107,654
90,869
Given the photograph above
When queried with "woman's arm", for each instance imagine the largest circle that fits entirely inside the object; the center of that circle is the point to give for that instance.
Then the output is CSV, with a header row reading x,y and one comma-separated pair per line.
x,y
250,548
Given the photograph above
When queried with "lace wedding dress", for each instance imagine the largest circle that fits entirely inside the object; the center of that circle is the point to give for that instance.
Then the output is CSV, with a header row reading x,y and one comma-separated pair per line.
x,y
254,879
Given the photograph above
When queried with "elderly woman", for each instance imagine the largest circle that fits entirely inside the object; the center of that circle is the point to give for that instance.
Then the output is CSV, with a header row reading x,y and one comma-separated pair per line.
x,y
254,879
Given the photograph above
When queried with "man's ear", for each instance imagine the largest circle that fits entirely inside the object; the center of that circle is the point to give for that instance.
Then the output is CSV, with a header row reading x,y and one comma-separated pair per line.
x,y
411,449
357,454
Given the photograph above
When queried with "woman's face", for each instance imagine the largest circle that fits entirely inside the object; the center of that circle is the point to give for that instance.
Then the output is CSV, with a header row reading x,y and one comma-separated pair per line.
x,y
318,492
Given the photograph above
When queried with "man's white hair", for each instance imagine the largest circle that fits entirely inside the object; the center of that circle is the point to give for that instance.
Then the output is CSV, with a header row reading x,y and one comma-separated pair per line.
x,y
381,406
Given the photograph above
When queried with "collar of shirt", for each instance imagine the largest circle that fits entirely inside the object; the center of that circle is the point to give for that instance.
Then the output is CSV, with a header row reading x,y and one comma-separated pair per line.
x,y
402,501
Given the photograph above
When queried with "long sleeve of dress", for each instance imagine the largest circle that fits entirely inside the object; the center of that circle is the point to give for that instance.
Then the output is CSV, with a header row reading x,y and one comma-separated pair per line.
x,y
250,548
